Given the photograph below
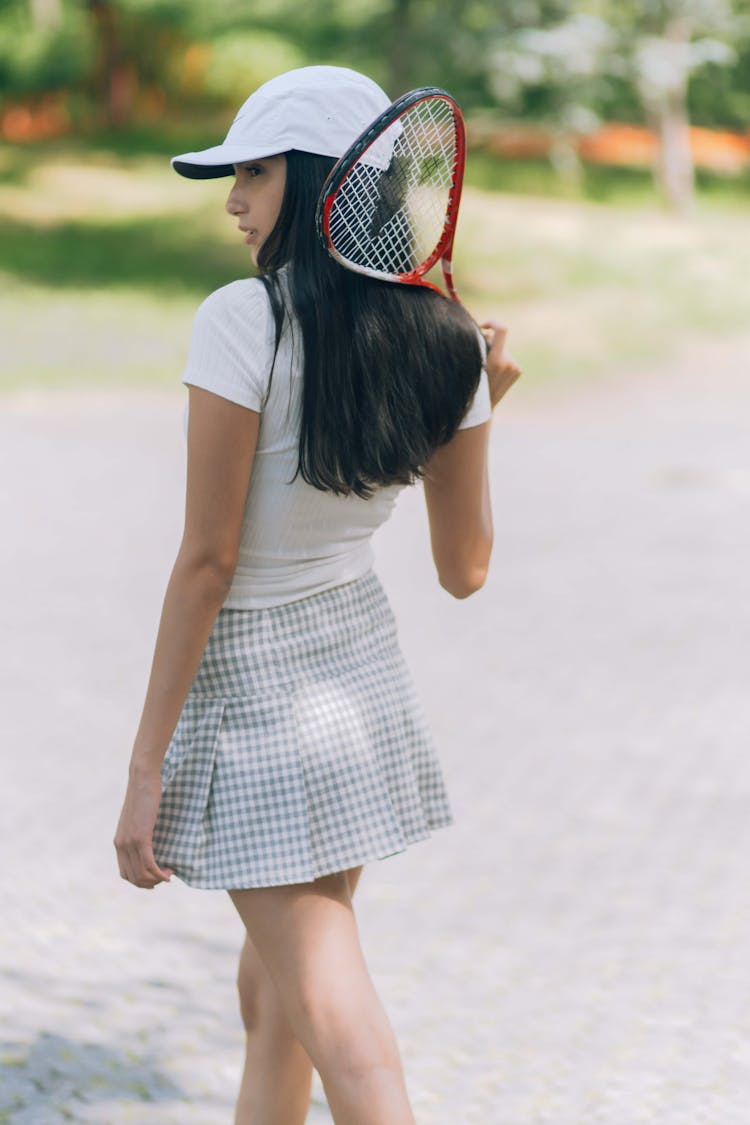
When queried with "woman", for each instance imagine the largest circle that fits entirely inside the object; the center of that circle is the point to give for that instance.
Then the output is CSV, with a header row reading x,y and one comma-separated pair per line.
x,y
281,746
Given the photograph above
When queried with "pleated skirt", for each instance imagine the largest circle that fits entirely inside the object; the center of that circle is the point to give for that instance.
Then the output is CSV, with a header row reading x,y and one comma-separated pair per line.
x,y
301,749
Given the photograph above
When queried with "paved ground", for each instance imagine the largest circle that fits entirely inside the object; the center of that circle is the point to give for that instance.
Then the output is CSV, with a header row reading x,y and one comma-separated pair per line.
x,y
574,951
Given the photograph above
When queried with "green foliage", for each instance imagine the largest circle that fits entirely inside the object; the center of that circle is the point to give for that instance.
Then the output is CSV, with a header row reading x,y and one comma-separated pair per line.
x,y
539,59
240,61
610,54
158,13
38,60
720,95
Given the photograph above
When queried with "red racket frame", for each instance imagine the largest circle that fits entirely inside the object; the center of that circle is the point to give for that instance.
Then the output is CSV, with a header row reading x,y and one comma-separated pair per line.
x,y
444,249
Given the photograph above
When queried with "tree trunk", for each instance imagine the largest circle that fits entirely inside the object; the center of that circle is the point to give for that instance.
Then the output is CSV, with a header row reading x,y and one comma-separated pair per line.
x,y
117,78
400,45
674,168
566,162
674,163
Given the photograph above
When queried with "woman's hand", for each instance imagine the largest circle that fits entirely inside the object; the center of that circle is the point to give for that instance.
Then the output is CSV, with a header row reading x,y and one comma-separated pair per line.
x,y
502,369
135,828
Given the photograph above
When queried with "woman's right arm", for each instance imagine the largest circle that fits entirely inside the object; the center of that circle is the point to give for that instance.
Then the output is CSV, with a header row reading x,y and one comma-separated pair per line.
x,y
457,491
221,442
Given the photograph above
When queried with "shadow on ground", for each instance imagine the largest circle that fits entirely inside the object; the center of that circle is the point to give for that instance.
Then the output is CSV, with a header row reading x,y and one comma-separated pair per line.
x,y
163,255
55,1074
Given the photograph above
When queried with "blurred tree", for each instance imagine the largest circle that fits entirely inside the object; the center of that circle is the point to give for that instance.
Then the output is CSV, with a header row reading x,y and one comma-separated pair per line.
x,y
115,78
400,46
45,14
566,62
135,42
665,43
43,48
654,45
719,96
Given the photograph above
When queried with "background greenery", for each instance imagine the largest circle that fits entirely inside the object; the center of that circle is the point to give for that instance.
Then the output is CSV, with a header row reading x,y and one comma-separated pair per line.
x,y
116,57
105,253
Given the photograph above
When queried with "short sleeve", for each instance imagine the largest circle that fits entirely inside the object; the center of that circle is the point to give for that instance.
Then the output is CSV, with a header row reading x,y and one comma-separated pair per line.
x,y
480,409
231,347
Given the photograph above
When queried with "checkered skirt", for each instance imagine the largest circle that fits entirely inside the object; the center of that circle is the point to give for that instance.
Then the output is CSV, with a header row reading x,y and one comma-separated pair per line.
x,y
301,748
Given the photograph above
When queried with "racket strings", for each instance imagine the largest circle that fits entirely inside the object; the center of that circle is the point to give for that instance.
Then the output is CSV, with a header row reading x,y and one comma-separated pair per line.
x,y
390,220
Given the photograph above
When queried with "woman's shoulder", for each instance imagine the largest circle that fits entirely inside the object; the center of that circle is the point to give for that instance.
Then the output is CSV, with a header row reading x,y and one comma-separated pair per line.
x,y
241,298
232,343
237,315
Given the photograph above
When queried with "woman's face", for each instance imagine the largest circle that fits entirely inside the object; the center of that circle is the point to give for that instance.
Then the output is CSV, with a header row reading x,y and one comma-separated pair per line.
x,y
256,198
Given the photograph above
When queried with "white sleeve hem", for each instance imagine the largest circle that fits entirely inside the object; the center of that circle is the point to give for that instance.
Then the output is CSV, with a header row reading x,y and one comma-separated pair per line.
x,y
224,388
480,408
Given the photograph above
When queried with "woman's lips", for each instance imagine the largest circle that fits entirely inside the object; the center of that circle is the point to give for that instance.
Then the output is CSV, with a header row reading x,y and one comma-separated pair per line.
x,y
249,237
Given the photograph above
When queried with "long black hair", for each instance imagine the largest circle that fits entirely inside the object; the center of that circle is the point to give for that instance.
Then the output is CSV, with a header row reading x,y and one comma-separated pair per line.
x,y
389,369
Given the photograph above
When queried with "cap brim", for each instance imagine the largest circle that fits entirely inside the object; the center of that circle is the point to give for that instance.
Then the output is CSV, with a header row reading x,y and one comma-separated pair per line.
x,y
201,171
214,162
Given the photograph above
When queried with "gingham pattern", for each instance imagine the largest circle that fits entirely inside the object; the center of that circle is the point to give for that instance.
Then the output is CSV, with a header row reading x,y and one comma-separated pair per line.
x,y
301,749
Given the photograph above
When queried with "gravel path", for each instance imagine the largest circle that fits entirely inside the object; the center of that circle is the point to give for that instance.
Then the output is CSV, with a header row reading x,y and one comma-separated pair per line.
x,y
573,952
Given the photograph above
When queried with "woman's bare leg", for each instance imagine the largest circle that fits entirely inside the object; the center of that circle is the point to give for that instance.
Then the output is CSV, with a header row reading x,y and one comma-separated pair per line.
x,y
276,1081
275,1087
307,940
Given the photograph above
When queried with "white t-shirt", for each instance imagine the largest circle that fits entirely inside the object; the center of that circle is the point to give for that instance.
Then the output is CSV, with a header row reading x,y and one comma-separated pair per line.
x,y
295,540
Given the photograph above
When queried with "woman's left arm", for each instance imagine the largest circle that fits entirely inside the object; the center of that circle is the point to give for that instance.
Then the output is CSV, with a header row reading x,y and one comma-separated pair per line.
x,y
221,446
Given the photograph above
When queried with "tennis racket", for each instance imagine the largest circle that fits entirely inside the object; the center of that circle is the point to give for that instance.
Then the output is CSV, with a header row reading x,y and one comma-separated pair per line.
x,y
389,206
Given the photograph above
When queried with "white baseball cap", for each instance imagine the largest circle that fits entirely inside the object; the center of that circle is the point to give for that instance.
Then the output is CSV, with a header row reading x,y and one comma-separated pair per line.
x,y
318,109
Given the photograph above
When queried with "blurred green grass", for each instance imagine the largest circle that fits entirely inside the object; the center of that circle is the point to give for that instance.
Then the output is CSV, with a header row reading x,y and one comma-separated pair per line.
x,y
104,256
599,183
155,253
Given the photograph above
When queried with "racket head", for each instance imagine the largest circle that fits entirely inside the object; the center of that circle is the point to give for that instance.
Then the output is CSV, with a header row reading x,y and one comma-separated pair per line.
x,y
389,206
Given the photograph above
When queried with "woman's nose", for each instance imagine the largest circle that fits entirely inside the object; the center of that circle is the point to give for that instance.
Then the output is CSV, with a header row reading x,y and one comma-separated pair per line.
x,y
234,205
